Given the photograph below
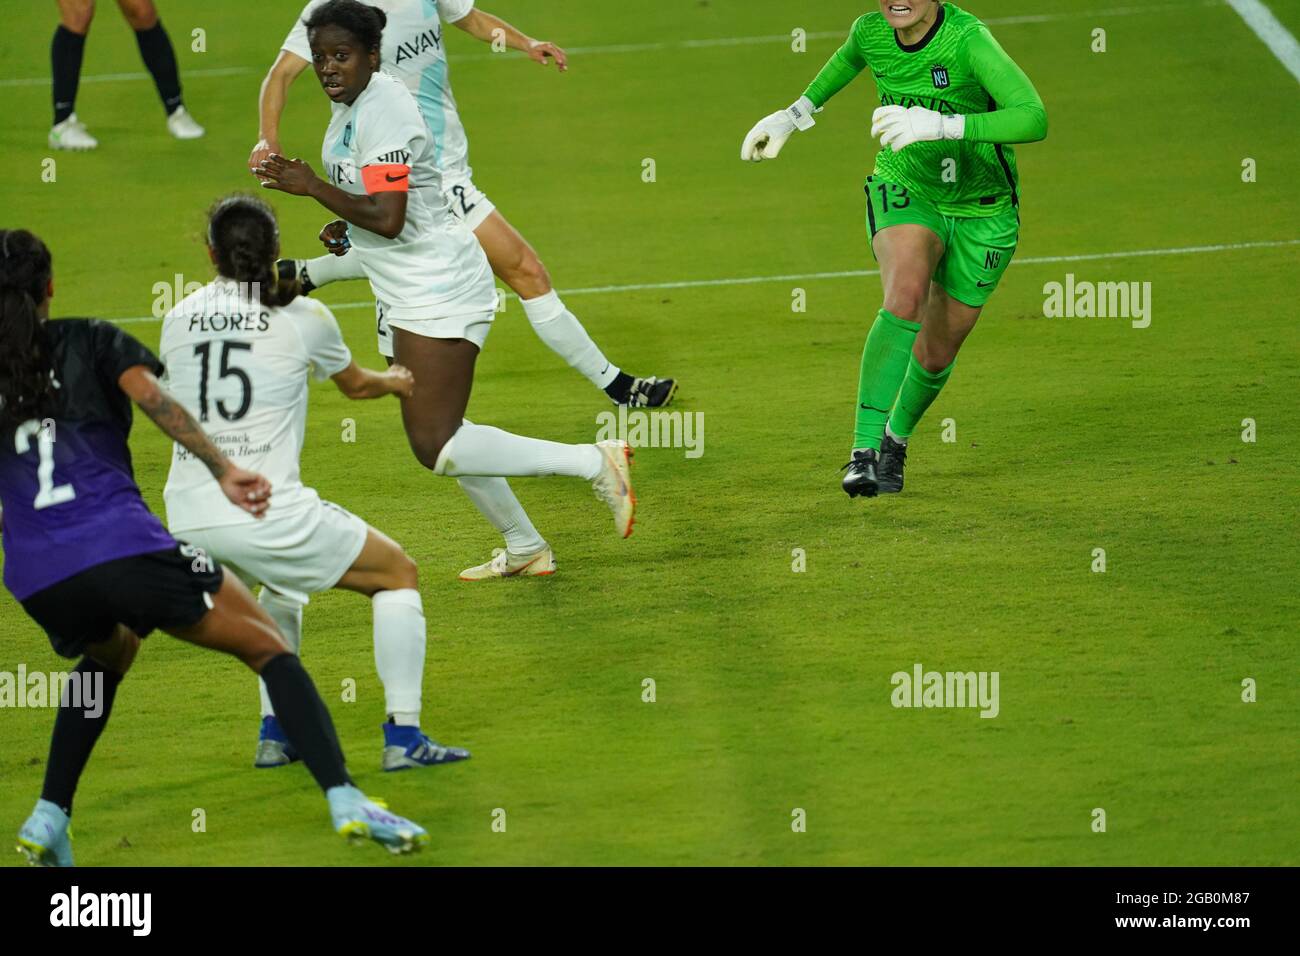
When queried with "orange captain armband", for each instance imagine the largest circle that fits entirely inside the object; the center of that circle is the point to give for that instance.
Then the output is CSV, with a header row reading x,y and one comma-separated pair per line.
x,y
389,178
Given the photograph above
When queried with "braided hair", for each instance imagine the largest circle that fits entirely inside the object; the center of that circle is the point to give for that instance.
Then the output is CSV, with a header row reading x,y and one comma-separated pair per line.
x,y
245,241
26,364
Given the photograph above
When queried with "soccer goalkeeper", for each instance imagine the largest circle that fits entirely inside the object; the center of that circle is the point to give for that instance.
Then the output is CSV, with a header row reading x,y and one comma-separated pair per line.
x,y
942,203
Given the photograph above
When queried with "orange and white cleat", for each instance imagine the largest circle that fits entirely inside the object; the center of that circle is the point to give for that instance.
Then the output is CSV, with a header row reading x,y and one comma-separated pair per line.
x,y
614,484
539,564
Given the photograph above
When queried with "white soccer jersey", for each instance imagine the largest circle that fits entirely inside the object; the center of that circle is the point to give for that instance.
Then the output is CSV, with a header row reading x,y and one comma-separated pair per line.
x,y
413,52
435,268
241,368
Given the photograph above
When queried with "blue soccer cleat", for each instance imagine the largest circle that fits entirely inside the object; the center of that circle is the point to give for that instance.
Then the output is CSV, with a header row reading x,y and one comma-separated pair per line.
x,y
46,837
407,747
273,747
358,818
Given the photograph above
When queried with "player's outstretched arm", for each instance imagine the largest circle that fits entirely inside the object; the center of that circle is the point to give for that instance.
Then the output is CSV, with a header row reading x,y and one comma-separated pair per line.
x,y
1019,118
270,104
361,383
770,134
245,489
487,27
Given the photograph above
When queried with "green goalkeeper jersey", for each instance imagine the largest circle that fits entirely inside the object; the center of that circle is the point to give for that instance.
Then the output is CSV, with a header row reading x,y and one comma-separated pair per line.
x,y
956,68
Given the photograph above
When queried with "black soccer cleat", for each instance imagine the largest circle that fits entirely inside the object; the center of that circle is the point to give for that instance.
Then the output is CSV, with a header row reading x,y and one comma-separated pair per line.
x,y
650,392
861,479
291,269
889,470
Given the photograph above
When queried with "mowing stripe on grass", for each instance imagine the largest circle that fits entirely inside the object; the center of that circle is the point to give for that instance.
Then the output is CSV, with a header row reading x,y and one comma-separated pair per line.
x,y
122,77
1269,29
846,274
685,44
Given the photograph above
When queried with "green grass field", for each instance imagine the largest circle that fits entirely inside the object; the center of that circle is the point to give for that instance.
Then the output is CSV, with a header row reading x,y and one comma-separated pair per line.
x,y
1119,690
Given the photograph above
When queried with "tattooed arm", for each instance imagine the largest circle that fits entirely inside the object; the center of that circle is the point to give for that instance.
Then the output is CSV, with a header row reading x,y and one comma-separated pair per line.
x,y
245,489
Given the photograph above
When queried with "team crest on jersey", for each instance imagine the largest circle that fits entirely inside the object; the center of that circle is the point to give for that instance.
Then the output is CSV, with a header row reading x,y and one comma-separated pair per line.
x,y
940,76
347,135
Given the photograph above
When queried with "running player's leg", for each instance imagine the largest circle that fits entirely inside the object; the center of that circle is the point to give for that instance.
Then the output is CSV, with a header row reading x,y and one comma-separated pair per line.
x,y
977,254
66,52
384,573
526,550
448,445
518,266
908,253
160,59
314,273
945,327
77,729
44,837
236,625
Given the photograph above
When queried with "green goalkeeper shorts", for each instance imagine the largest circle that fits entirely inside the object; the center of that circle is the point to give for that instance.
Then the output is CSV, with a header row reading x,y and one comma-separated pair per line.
x,y
976,249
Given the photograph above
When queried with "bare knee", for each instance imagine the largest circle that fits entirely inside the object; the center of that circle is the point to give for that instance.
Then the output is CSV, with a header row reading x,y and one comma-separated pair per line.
x,y
428,445
140,14
408,573
907,300
256,654
117,654
527,275
76,15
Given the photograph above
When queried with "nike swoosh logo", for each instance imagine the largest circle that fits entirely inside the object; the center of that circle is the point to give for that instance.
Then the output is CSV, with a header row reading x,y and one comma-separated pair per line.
x,y
983,284
395,179
883,411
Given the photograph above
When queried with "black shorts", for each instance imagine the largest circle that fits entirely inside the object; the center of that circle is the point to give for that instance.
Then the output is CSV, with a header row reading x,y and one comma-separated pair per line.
x,y
163,589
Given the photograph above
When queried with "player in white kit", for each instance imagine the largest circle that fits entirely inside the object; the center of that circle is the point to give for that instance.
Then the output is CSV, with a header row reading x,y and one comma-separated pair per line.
x,y
413,51
239,353
431,277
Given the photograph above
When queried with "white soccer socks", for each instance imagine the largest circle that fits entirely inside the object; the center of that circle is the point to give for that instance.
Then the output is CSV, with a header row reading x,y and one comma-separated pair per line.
x,y
560,329
496,501
399,652
331,268
484,450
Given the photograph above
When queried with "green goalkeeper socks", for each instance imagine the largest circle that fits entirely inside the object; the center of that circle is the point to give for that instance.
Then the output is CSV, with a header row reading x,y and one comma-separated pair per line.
x,y
884,363
920,389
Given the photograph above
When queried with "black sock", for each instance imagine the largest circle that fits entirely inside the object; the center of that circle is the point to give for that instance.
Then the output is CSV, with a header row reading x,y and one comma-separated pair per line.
x,y
620,388
75,731
305,720
65,61
158,55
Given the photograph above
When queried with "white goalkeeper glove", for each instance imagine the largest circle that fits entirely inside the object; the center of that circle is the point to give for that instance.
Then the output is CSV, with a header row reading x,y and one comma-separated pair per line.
x,y
769,135
898,127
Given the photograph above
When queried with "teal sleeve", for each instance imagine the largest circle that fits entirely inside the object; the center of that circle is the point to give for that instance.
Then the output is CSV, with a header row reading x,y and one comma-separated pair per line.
x,y
840,70
1019,115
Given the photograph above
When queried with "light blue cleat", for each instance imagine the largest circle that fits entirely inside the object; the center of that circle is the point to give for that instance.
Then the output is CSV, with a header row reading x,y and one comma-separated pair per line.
x,y
358,818
46,837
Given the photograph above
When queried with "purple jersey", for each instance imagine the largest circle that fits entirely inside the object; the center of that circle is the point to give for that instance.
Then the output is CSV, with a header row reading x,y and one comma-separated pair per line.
x,y
66,485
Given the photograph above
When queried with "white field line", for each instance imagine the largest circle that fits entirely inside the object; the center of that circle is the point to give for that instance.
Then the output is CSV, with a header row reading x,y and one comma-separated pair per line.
x,y
674,44
848,274
1269,29
122,77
